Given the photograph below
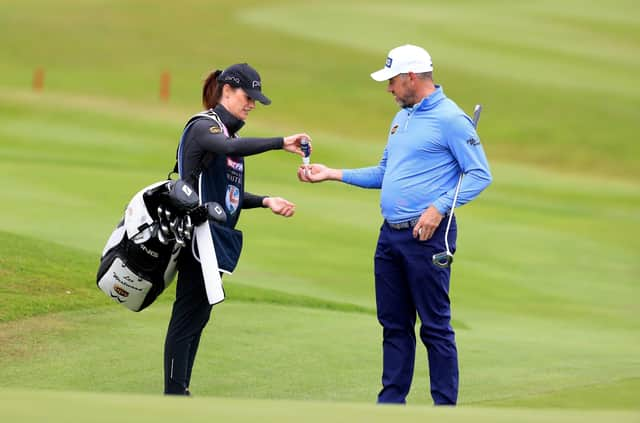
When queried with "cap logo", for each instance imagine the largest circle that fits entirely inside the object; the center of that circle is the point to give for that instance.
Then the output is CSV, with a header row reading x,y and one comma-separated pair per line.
x,y
389,62
256,84
232,78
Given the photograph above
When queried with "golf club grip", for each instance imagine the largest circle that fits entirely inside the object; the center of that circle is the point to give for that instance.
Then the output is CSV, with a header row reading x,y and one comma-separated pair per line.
x,y
476,115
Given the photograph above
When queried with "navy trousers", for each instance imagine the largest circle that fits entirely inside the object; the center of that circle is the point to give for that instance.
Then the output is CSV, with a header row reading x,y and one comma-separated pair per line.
x,y
190,315
407,282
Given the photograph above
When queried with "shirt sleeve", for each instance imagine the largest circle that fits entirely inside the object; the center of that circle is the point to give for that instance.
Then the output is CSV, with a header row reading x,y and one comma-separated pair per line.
x,y
252,201
366,177
464,144
211,138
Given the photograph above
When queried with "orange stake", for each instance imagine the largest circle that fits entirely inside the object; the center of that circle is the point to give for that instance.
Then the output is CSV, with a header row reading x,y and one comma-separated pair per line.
x,y
38,79
165,84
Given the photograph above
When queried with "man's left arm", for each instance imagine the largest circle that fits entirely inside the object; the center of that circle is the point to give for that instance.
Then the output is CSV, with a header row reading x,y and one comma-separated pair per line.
x,y
464,144
466,148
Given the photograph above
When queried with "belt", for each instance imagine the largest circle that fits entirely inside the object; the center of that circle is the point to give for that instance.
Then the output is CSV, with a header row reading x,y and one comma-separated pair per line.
x,y
404,225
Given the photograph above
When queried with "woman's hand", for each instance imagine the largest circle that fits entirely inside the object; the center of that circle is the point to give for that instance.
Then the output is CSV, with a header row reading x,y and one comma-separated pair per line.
x,y
279,205
292,143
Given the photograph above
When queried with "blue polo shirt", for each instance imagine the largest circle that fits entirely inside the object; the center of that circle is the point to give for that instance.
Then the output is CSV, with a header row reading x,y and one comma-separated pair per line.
x,y
429,145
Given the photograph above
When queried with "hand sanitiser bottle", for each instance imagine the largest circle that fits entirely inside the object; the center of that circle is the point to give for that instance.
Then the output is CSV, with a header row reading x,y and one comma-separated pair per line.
x,y
306,149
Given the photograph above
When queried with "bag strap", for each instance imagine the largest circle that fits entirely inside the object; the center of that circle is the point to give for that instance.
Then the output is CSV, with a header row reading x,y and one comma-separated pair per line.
x,y
206,159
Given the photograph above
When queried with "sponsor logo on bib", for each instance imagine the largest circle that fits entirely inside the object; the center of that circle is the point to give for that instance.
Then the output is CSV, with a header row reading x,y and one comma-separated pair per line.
x,y
235,165
232,198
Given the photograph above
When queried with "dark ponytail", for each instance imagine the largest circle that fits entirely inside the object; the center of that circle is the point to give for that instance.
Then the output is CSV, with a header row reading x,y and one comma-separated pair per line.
x,y
211,90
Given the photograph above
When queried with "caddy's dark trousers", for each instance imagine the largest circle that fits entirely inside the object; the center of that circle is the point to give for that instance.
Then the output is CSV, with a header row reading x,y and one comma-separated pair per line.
x,y
408,282
191,311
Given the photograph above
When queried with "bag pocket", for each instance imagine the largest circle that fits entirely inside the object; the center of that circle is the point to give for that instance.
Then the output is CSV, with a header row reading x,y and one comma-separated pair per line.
x,y
228,245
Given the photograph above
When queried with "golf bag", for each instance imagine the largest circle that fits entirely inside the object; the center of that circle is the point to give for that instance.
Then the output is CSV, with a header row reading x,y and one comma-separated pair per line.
x,y
140,258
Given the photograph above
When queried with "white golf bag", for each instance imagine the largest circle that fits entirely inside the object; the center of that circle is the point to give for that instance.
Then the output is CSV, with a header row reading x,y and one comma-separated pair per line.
x,y
140,258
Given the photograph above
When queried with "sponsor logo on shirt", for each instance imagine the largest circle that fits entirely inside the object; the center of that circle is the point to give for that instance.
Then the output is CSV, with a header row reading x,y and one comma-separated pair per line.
x,y
473,142
215,129
232,198
394,129
235,165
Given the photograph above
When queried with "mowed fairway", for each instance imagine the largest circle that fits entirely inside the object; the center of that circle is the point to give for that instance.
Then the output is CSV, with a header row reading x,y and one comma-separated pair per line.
x,y
545,283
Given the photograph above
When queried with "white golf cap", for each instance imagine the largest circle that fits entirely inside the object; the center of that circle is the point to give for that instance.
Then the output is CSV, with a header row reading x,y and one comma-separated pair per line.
x,y
404,59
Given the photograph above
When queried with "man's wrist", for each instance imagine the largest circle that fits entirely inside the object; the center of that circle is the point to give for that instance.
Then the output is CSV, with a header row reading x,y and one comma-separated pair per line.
x,y
440,207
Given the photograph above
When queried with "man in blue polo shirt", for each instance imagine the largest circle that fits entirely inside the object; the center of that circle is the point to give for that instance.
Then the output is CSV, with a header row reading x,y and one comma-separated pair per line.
x,y
431,142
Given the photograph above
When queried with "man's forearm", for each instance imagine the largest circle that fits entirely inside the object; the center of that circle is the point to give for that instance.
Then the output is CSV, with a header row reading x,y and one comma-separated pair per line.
x,y
366,177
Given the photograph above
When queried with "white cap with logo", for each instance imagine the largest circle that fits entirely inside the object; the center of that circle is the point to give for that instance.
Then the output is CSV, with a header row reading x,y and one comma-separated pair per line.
x,y
404,59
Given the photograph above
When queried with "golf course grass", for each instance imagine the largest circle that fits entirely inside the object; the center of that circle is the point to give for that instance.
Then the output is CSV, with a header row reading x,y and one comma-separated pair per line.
x,y
545,287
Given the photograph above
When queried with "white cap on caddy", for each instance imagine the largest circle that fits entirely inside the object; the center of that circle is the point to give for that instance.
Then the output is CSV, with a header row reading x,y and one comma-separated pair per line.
x,y
404,59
